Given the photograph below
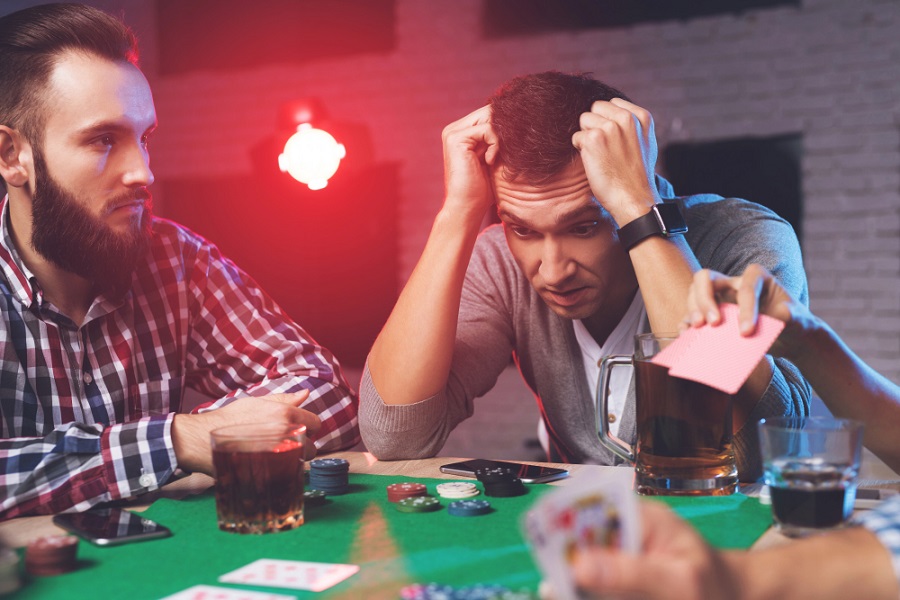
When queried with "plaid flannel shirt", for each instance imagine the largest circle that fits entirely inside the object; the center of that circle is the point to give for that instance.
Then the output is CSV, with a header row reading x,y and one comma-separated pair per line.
x,y
86,412
884,522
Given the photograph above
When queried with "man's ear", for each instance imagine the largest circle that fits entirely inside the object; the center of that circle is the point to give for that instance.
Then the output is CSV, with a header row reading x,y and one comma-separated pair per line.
x,y
15,157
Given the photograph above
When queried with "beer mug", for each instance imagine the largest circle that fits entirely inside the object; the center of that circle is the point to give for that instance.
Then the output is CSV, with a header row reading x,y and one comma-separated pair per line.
x,y
684,432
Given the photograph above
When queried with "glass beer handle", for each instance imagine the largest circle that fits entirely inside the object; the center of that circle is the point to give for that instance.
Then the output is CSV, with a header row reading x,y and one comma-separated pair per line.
x,y
612,442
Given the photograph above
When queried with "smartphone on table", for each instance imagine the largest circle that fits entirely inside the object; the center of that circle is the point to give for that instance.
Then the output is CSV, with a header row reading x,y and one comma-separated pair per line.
x,y
110,526
527,473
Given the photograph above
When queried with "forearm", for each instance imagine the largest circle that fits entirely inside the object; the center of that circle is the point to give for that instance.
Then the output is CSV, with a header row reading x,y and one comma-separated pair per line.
x,y
411,357
78,466
664,268
851,389
851,563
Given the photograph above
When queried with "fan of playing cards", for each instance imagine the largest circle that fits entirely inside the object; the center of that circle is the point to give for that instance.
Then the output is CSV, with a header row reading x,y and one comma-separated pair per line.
x,y
589,511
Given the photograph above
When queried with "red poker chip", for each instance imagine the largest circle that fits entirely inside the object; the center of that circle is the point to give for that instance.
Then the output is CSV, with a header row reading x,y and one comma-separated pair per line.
x,y
398,491
51,555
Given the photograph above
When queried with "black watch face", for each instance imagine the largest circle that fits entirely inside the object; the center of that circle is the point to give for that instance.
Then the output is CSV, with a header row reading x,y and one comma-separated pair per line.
x,y
672,218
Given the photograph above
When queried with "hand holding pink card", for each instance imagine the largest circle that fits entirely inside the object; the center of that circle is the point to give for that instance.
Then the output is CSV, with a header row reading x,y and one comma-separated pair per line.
x,y
719,356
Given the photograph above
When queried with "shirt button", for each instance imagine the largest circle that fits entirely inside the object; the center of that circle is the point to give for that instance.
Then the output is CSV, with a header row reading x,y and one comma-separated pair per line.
x,y
611,418
86,378
147,480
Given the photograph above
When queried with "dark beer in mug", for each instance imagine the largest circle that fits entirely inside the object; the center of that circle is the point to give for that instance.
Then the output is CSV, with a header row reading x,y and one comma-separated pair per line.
x,y
259,481
684,443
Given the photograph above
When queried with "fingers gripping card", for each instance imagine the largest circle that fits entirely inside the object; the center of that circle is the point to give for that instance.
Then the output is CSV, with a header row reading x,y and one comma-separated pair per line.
x,y
719,356
587,512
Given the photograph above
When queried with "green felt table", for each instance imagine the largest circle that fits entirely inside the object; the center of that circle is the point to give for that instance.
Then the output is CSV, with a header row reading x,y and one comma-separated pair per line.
x,y
392,548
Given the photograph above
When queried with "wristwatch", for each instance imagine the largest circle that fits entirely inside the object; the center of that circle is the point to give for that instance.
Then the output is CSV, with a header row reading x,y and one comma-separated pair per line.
x,y
663,219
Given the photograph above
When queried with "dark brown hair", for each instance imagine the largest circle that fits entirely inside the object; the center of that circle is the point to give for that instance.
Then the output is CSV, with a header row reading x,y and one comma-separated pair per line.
x,y
535,117
32,40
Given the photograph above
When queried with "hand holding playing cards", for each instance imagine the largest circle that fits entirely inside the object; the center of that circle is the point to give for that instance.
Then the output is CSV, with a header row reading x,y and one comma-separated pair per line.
x,y
756,291
190,433
673,562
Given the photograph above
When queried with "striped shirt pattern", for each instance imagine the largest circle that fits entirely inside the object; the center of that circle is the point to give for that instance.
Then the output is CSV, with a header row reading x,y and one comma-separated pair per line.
x,y
86,412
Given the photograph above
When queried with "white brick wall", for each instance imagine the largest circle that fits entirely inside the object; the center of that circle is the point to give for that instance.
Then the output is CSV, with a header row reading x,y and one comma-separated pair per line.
x,y
827,69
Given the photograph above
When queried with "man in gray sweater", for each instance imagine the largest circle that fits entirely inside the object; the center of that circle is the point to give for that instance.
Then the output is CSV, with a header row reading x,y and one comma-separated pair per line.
x,y
589,254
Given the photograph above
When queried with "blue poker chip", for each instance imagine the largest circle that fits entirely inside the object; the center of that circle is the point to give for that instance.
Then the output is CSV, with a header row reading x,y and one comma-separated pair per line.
x,y
469,508
479,591
329,465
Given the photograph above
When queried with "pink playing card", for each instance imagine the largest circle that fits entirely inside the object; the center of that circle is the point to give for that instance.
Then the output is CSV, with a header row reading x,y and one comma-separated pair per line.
x,y
720,356
293,574
209,592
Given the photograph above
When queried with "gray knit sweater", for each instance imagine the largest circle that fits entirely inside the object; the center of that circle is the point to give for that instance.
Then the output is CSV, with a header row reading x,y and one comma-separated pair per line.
x,y
501,313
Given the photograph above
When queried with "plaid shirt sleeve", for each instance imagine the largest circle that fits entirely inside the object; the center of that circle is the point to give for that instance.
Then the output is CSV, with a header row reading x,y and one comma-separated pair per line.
x,y
79,465
884,522
243,344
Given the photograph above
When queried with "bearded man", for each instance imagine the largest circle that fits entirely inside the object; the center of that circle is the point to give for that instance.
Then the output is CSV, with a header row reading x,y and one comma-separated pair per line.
x,y
108,313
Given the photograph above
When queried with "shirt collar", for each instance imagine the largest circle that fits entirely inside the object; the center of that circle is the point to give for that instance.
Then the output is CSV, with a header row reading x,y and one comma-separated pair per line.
x,y
22,282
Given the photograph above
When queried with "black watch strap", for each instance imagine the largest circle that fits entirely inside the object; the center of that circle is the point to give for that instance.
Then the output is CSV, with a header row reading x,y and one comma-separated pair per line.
x,y
664,219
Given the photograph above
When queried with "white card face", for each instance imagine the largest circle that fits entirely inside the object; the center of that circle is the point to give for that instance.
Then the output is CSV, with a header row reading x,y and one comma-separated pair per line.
x,y
589,511
293,574
209,592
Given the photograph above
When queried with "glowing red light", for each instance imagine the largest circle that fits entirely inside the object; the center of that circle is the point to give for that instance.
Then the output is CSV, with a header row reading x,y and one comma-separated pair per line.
x,y
311,156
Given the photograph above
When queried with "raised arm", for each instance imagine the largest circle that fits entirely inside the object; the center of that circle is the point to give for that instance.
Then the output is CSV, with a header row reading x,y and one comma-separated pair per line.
x,y
618,148
410,360
848,386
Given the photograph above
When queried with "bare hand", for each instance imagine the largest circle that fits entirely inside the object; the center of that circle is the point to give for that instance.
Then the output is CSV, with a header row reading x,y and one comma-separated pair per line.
x,y
470,147
755,291
190,433
673,562
617,143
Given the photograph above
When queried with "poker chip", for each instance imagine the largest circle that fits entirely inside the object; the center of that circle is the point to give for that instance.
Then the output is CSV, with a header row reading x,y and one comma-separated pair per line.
x,y
501,482
457,489
469,508
436,591
314,497
335,465
398,491
418,504
330,475
51,555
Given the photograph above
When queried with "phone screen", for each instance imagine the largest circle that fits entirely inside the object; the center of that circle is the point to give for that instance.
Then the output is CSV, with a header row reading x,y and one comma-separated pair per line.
x,y
109,526
527,473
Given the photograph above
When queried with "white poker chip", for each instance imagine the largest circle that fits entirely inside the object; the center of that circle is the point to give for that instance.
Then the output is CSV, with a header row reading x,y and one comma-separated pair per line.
x,y
457,489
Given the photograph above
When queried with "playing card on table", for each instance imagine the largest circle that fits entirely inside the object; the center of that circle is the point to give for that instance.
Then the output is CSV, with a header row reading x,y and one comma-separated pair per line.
x,y
719,356
209,592
293,574
593,510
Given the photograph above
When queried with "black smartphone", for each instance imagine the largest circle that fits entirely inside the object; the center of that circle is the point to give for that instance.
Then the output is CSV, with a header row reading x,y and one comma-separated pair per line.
x,y
527,473
110,526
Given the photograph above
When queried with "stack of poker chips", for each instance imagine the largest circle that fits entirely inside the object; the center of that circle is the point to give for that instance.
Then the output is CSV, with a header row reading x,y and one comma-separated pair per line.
x,y
457,489
400,491
416,504
501,482
469,508
330,475
479,591
51,555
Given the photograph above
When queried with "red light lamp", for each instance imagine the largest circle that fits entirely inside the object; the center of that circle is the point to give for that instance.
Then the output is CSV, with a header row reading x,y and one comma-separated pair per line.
x,y
311,156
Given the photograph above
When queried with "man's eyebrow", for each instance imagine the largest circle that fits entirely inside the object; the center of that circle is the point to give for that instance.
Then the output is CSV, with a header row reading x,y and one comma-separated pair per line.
x,y
110,126
590,211
505,215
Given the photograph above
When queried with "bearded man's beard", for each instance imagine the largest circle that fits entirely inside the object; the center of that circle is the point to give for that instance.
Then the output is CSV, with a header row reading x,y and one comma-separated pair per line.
x,y
68,235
